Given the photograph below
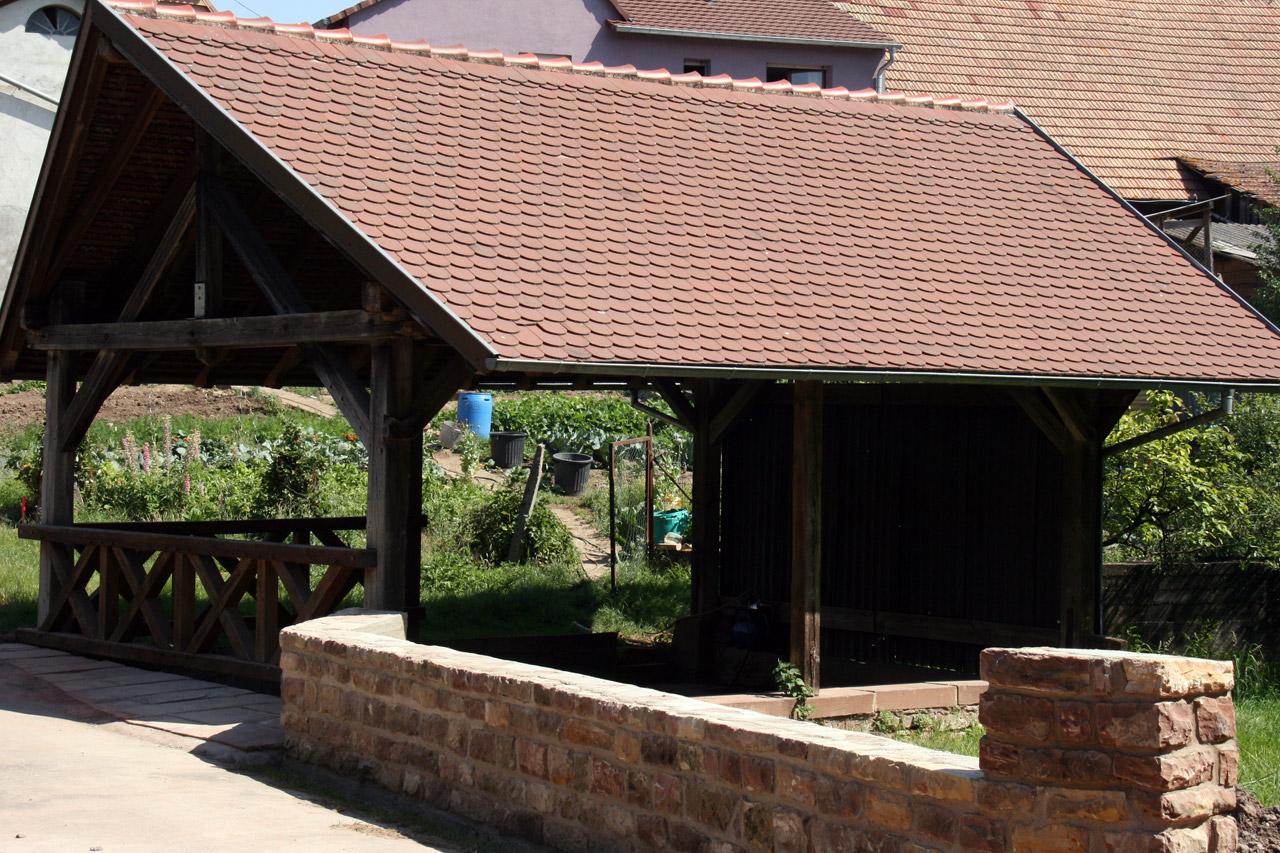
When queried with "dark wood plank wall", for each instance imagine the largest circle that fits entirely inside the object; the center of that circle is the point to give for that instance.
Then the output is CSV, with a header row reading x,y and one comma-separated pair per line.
x,y
937,501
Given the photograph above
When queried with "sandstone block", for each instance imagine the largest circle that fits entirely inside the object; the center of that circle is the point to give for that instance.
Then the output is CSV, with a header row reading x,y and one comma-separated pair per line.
x,y
1167,772
1052,671
1050,838
1076,804
1026,719
1215,719
1144,726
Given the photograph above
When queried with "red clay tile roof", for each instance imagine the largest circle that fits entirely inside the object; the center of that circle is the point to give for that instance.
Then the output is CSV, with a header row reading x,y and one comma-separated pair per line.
x,y
1256,179
1126,85
584,217
788,20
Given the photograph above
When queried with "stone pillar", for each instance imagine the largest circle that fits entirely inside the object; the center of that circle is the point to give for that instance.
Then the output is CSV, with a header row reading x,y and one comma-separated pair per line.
x,y
1114,751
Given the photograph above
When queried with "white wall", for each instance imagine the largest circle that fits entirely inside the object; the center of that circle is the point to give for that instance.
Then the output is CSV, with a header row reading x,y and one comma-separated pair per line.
x,y
40,62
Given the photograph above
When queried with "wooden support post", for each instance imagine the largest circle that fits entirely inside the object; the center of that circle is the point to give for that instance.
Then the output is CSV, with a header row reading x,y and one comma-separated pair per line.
x,y
395,483
706,502
1079,607
57,481
806,531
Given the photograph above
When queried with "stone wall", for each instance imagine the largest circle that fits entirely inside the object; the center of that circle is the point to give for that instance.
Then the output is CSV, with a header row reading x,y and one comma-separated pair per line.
x,y
1126,751
580,763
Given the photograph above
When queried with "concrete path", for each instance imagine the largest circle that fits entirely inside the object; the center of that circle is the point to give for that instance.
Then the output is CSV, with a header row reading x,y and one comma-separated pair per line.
x,y
240,726
136,761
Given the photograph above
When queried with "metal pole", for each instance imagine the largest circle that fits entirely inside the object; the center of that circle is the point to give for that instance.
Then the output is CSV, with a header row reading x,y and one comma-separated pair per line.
x,y
648,491
613,521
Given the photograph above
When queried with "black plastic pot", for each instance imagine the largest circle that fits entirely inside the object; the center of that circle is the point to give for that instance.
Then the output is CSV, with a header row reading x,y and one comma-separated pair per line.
x,y
571,472
506,448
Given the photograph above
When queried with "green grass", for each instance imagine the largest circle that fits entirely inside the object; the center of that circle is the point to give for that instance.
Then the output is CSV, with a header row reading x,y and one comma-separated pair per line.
x,y
464,599
19,580
963,742
1258,728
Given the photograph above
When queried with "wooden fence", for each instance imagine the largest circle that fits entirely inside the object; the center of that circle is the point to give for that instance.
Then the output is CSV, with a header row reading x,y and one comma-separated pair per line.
x,y
1174,602
194,595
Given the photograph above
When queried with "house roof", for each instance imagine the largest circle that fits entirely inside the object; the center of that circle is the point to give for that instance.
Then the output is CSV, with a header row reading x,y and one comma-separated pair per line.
x,y
811,21
794,21
640,222
1255,179
1126,85
1229,238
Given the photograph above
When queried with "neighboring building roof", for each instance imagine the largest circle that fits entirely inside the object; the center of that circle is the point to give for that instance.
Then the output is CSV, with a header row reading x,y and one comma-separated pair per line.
x,y
791,21
1256,179
1126,85
1229,238
807,21
613,220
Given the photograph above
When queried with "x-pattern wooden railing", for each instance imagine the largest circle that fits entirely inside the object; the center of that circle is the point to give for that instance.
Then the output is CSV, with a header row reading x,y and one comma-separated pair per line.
x,y
134,563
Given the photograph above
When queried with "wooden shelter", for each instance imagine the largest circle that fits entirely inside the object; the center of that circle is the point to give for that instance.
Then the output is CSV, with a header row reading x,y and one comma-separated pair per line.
x,y
898,352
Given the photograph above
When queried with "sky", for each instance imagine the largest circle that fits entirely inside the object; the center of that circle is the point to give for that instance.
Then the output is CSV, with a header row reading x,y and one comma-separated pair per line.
x,y
284,11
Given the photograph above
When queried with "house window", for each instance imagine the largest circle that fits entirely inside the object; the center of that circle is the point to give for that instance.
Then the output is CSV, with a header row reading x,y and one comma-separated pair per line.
x,y
53,21
797,76
702,66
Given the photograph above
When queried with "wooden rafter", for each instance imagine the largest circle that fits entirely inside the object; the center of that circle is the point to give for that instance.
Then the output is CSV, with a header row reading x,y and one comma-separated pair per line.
x,y
133,129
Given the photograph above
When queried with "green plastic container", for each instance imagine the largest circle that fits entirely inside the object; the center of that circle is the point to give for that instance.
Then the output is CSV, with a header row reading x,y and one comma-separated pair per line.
x,y
669,521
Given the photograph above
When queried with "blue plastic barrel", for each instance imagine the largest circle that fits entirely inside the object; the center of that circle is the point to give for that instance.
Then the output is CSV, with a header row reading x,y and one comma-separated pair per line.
x,y
476,411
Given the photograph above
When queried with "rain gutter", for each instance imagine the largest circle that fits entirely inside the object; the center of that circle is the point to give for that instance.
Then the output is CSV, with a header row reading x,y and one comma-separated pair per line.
x,y
23,87
649,370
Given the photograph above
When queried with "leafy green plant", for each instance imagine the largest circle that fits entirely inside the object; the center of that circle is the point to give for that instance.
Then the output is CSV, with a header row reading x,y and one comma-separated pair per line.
x,y
546,539
471,450
790,682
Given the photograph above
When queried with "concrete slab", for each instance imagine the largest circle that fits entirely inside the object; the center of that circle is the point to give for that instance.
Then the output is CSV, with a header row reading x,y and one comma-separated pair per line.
x,y
71,783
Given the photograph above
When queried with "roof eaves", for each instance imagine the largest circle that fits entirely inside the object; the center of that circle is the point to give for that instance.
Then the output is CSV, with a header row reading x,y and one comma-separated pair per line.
x,y
636,370
641,29
280,177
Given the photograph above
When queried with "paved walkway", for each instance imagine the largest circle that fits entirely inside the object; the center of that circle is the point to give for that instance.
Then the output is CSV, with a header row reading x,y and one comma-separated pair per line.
x,y
244,723
96,756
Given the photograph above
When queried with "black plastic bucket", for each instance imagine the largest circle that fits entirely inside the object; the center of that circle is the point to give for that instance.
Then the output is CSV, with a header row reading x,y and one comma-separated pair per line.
x,y
506,448
571,472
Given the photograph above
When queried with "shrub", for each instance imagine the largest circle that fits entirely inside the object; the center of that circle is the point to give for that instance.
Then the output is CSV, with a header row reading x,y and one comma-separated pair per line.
x,y
546,539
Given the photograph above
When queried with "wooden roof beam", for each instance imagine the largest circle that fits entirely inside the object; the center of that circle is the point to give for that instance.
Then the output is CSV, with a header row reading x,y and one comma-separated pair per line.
x,y
278,330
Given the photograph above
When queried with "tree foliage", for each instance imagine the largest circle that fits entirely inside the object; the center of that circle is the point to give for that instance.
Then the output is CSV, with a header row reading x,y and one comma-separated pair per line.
x,y
1185,495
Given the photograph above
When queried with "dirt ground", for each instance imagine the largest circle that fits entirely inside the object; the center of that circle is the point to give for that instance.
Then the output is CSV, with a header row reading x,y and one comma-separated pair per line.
x,y
1259,826
27,407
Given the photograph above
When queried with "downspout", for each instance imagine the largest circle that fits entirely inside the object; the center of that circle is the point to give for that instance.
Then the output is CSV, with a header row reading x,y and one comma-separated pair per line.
x,y
890,54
